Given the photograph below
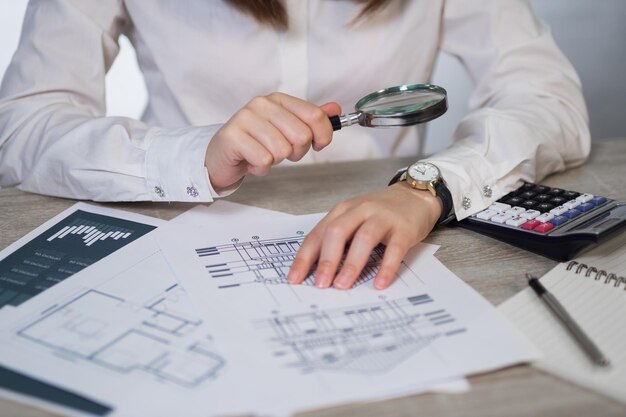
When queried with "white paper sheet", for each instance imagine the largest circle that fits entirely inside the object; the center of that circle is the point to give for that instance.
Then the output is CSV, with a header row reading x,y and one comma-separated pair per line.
x,y
124,334
596,305
123,329
321,347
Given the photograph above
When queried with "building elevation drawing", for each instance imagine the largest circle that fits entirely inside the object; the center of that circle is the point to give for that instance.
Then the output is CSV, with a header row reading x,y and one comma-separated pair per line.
x,y
265,261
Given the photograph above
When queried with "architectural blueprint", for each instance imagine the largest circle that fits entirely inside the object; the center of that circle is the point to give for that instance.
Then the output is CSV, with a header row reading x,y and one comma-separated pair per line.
x,y
126,334
367,339
339,344
128,329
161,339
267,261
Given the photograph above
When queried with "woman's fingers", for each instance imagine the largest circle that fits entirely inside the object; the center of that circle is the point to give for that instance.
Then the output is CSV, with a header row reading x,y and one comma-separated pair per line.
x,y
310,251
291,137
387,272
313,116
398,217
285,127
366,238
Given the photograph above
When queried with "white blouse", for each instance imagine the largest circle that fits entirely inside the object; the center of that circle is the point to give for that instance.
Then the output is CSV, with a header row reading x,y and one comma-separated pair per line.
x,y
204,60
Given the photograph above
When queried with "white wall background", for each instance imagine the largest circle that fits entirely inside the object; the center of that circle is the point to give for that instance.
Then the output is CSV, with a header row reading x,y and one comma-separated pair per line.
x,y
592,33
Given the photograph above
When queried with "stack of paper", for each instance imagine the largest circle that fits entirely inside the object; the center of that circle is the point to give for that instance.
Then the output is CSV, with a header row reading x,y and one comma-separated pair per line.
x,y
200,321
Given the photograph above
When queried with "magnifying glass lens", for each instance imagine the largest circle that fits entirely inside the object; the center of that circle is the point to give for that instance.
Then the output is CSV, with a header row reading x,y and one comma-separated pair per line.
x,y
404,105
401,102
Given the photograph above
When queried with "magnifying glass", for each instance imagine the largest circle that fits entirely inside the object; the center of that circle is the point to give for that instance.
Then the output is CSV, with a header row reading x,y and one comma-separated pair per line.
x,y
403,105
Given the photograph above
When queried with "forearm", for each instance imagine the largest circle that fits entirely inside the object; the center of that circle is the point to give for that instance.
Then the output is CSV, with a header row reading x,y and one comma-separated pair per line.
x,y
527,117
48,145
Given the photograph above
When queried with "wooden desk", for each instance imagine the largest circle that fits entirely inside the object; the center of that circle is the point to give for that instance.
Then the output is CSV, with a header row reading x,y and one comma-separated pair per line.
x,y
490,267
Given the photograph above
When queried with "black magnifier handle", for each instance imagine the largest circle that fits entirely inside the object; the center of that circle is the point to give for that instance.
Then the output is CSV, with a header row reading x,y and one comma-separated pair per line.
x,y
345,120
336,122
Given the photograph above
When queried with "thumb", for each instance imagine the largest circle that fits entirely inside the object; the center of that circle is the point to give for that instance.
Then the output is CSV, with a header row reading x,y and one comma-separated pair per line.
x,y
332,108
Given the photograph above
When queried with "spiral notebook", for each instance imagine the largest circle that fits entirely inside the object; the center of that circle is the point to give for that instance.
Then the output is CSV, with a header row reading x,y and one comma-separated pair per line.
x,y
593,290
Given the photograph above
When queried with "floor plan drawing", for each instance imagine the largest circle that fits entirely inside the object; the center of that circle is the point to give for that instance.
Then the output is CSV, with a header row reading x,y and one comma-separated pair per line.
x,y
109,332
370,338
266,261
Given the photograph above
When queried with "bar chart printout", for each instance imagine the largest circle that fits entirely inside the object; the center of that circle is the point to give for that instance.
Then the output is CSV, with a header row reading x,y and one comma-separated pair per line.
x,y
75,242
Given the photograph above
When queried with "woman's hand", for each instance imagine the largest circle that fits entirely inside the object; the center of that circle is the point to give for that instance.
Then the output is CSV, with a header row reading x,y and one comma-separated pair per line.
x,y
266,131
397,216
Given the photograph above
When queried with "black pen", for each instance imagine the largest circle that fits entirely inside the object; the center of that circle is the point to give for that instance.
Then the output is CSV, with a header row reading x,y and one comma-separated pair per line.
x,y
557,308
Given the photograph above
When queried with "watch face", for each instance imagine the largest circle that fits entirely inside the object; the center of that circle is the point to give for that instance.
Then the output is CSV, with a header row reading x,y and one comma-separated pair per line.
x,y
423,171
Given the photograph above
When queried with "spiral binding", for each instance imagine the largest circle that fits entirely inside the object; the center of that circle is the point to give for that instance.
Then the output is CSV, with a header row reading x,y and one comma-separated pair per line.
x,y
599,273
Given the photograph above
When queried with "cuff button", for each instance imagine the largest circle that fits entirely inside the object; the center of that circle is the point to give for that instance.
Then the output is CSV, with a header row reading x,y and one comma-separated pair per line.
x,y
487,191
192,192
466,203
159,191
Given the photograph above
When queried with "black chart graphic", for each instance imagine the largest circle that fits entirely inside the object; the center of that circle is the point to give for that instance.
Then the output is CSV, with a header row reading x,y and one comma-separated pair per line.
x,y
266,261
368,339
72,244
91,232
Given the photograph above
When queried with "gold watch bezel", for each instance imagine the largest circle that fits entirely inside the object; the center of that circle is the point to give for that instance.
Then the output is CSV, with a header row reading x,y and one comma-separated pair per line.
x,y
420,184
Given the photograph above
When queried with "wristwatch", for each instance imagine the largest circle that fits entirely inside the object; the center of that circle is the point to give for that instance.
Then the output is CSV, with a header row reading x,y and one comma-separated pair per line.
x,y
426,176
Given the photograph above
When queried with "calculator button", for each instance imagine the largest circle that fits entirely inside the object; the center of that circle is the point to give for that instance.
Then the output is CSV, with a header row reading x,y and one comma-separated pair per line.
x,y
571,204
541,189
570,195
545,217
516,221
557,211
513,201
515,211
586,207
527,186
572,213
529,204
501,218
486,214
530,214
531,224
542,197
543,207
544,227
509,195
584,198
598,200
559,220
499,207
557,201
528,194
556,191
504,198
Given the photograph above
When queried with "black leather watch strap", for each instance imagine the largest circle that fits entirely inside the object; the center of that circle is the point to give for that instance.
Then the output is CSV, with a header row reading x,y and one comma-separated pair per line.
x,y
442,192
446,199
396,177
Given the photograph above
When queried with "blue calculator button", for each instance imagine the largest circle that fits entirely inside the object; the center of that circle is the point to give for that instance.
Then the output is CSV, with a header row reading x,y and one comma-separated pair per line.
x,y
598,200
586,207
559,220
572,213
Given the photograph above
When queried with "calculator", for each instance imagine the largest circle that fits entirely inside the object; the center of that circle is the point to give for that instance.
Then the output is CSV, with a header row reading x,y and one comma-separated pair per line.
x,y
552,222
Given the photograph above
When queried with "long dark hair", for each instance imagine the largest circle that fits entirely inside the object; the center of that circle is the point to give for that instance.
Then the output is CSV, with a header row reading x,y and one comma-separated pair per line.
x,y
273,13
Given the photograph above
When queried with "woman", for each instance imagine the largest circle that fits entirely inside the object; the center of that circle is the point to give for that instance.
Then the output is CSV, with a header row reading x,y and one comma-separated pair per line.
x,y
232,87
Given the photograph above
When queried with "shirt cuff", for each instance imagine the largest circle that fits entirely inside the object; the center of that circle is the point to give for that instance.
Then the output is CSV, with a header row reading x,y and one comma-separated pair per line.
x,y
469,178
175,168
224,192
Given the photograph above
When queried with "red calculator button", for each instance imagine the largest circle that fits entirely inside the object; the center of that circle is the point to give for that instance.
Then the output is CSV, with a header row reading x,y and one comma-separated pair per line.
x,y
544,227
531,224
